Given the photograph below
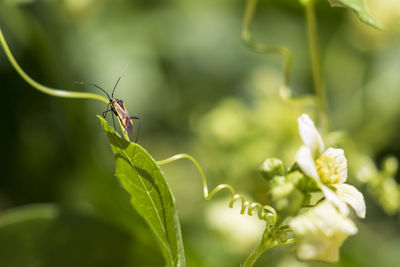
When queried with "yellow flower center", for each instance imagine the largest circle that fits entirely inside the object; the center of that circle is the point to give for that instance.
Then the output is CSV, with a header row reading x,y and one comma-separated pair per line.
x,y
328,170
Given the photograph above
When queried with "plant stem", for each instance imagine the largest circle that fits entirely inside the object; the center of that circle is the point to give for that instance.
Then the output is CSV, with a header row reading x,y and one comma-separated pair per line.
x,y
320,91
42,88
255,254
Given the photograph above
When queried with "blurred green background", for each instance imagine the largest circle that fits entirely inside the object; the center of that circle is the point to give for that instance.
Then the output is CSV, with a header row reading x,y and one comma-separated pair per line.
x,y
199,90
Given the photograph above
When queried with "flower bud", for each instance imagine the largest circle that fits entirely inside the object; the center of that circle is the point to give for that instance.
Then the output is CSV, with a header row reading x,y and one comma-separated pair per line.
x,y
271,167
390,166
284,196
301,182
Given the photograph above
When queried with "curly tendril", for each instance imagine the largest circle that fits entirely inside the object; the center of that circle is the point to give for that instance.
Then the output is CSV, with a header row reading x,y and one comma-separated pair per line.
x,y
283,235
265,212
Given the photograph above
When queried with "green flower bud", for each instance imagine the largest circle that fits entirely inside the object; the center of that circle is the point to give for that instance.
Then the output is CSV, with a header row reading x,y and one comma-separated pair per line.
x,y
390,166
284,196
271,167
302,182
280,187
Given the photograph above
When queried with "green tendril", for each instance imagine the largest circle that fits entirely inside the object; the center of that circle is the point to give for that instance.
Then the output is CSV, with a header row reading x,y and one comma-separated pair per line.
x,y
265,212
43,88
264,48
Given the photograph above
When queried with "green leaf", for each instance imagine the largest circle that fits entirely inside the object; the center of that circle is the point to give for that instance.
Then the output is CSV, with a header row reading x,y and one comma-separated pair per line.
x,y
358,7
150,194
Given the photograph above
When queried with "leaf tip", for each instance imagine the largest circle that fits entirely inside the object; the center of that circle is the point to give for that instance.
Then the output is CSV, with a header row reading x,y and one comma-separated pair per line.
x,y
360,9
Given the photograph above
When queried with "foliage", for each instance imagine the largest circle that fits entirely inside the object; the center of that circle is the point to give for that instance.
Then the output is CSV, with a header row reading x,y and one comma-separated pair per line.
x,y
150,194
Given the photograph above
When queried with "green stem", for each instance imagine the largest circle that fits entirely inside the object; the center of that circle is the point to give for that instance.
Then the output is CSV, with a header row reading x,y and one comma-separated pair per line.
x,y
268,241
255,254
323,113
42,88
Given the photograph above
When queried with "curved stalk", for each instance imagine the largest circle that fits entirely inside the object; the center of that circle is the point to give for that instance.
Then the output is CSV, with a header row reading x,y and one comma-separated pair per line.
x,y
264,48
268,241
255,254
43,88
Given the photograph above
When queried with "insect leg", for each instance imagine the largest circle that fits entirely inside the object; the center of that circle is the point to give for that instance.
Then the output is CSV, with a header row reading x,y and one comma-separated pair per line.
x,y
112,116
108,110
137,134
105,112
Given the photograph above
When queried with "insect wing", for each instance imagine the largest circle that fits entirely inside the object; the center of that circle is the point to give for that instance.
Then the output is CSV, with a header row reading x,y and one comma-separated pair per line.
x,y
120,110
123,115
128,124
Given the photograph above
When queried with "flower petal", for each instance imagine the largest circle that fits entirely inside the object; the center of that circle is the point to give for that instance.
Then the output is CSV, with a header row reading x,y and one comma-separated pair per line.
x,y
306,163
334,199
340,161
320,232
310,136
353,197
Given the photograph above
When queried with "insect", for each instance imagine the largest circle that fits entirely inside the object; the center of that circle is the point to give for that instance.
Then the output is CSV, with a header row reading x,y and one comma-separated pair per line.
x,y
117,107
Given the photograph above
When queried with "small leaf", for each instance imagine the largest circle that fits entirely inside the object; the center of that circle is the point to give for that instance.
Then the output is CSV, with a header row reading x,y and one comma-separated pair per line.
x,y
358,7
150,194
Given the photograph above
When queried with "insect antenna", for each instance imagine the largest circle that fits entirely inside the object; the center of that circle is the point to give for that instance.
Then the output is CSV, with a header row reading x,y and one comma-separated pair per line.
x,y
119,78
115,86
98,87
92,84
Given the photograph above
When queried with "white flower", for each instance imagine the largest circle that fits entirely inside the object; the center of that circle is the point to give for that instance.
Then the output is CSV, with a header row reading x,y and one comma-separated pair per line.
x,y
320,231
328,168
